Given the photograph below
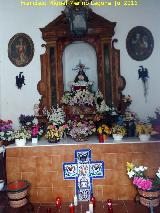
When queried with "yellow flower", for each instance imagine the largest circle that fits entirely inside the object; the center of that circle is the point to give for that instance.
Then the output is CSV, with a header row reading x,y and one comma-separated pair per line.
x,y
99,130
130,166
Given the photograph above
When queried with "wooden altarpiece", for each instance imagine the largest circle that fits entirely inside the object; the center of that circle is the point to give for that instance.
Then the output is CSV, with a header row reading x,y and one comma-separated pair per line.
x,y
57,36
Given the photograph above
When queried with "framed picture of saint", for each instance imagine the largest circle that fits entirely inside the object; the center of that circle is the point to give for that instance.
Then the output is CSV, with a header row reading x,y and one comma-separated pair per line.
x,y
139,43
20,49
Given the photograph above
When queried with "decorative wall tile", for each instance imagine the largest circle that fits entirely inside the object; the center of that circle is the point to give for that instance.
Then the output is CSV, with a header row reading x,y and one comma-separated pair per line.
x,y
83,171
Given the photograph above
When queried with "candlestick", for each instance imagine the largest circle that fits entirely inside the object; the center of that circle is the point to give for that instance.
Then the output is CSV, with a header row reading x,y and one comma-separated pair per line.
x,y
71,208
58,202
91,207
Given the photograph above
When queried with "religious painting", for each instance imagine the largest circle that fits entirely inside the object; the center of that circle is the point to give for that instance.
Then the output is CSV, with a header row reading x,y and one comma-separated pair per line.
x,y
139,43
20,49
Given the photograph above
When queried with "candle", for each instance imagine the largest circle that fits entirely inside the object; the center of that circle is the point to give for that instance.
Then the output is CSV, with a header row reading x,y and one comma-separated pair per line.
x,y
109,204
91,207
58,202
71,208
75,200
93,200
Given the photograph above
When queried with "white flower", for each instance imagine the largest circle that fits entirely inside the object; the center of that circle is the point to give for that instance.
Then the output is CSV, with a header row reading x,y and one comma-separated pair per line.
x,y
136,169
131,174
158,173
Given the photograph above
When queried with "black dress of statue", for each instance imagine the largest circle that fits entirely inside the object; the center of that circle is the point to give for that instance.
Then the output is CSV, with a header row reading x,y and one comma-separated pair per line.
x,y
81,76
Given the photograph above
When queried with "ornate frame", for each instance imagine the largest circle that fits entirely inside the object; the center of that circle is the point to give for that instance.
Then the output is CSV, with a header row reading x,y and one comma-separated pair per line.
x,y
20,49
139,43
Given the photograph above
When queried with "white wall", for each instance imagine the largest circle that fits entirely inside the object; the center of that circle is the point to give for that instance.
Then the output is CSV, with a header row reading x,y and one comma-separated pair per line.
x,y
17,19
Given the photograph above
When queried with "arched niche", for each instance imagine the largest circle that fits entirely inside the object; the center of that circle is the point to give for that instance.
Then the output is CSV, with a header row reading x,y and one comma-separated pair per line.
x,y
99,35
74,53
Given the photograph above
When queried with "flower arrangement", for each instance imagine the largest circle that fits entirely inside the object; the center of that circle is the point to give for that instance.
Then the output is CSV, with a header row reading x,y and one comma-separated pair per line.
x,y
57,126
155,121
56,116
101,106
140,178
53,133
27,121
130,116
104,129
81,128
125,102
6,130
78,97
37,131
118,129
22,133
144,128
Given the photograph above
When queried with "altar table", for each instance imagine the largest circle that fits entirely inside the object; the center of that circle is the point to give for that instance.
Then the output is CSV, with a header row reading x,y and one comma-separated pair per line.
x,y
41,165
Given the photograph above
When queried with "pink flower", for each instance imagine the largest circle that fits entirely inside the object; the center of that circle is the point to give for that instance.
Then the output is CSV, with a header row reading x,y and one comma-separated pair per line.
x,y
142,183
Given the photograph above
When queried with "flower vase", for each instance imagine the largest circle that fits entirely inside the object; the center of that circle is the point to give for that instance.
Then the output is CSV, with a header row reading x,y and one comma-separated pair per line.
x,y
117,137
130,128
101,138
20,142
53,140
105,137
80,138
149,198
144,137
34,140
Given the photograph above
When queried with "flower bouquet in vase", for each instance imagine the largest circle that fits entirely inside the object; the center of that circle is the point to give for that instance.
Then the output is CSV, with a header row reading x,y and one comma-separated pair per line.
x,y
81,128
36,133
21,135
103,132
144,131
148,188
118,132
57,126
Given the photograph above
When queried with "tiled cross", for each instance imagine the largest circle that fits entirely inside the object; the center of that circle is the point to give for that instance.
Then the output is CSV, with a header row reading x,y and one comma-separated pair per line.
x,y
83,170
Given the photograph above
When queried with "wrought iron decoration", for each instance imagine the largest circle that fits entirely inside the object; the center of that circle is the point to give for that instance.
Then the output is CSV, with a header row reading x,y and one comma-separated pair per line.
x,y
20,80
143,75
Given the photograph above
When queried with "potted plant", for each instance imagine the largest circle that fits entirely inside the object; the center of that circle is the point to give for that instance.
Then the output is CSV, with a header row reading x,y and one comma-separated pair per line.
x,y
155,121
36,133
21,135
53,134
148,187
6,131
144,131
118,132
130,118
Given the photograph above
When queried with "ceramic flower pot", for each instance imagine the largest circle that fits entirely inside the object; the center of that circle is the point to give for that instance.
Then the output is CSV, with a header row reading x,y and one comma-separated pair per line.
x,y
144,137
20,142
117,137
35,140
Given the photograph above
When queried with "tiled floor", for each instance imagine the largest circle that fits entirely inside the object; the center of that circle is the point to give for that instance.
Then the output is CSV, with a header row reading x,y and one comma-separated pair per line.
x,y
118,207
